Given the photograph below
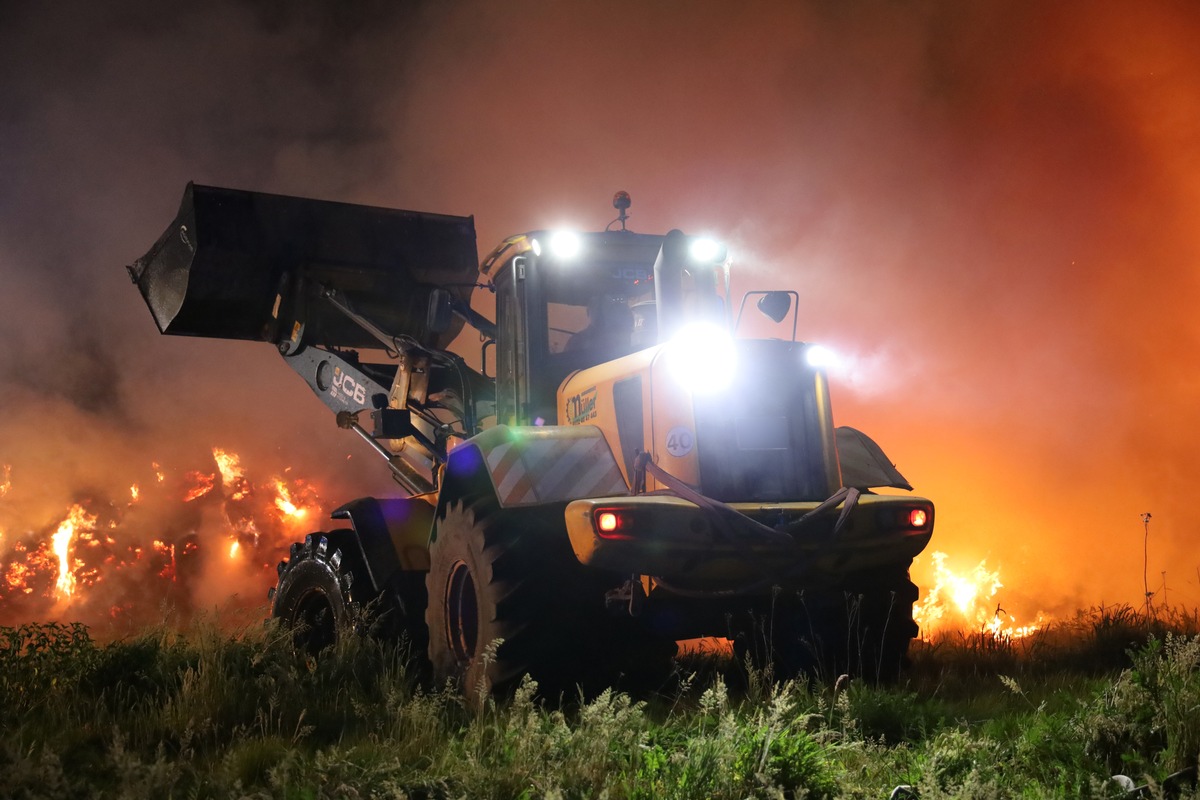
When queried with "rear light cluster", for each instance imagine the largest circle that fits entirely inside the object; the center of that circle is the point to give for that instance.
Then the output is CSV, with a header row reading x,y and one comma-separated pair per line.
x,y
907,518
613,523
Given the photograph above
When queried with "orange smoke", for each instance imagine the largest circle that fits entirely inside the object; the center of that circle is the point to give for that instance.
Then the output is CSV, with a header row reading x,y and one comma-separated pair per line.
x,y
988,207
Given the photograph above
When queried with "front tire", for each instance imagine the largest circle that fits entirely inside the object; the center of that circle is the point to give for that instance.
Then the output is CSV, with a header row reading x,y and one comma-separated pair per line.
x,y
462,612
510,577
314,598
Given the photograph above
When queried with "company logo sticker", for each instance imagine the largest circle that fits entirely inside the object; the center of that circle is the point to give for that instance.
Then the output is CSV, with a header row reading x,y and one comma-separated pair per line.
x,y
581,407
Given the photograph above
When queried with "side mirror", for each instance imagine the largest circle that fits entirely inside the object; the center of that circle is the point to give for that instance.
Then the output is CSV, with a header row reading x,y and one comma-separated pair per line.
x,y
440,313
775,305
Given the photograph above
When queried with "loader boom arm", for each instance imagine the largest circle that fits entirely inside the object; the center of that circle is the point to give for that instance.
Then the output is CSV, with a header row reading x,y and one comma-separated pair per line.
x,y
321,280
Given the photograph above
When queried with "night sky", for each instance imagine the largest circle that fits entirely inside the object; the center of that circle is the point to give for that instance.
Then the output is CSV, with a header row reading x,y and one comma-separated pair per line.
x,y
989,210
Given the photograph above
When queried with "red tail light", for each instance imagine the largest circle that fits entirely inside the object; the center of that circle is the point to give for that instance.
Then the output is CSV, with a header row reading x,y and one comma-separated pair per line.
x,y
613,523
906,518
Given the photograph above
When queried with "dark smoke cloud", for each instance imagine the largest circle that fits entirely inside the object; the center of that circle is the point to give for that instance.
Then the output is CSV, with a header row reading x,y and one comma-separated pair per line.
x,y
987,209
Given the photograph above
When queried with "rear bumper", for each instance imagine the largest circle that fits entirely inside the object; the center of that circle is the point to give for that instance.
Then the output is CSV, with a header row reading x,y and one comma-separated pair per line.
x,y
665,537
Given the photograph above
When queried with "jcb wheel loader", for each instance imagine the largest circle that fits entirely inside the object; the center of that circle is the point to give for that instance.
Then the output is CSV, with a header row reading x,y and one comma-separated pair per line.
x,y
619,473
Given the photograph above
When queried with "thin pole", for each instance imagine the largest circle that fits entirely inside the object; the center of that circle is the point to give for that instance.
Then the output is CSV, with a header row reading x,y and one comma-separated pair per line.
x,y
1146,561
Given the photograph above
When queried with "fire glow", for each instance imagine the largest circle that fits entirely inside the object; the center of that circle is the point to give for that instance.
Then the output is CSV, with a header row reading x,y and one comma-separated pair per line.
x,y
168,542
111,561
968,601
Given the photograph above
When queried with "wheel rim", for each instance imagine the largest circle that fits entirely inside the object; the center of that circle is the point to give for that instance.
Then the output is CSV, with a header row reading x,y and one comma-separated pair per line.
x,y
313,623
462,613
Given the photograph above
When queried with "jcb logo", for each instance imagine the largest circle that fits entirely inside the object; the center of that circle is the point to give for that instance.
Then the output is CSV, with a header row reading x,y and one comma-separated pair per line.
x,y
345,386
631,274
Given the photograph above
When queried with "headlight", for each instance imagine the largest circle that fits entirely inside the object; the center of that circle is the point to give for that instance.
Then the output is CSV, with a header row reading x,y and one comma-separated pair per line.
x,y
707,250
819,357
702,357
564,244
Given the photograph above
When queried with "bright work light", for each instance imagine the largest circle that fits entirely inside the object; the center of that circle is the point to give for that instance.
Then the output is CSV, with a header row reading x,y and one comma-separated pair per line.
x,y
819,357
705,249
702,357
564,244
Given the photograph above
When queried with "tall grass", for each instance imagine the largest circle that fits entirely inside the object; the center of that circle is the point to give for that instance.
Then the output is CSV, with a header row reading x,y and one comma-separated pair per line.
x,y
202,713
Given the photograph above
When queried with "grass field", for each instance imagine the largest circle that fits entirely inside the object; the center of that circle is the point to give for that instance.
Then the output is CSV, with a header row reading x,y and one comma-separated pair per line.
x,y
204,713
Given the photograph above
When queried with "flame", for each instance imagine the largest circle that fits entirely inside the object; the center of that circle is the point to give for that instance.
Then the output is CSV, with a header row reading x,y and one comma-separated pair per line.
x,y
17,577
233,477
18,573
77,519
168,552
201,485
968,600
285,503
150,545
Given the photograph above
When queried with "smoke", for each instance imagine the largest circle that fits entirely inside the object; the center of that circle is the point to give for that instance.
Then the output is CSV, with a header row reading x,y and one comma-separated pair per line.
x,y
985,208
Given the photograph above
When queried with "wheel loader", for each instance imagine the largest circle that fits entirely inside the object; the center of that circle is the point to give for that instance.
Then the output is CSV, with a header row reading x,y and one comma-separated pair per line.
x,y
616,470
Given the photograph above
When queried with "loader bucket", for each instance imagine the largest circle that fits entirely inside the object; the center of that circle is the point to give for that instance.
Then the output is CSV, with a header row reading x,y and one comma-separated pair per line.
x,y
248,265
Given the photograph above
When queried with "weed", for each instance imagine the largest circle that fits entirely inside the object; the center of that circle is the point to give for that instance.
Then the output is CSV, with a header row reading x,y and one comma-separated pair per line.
x,y
201,713
1150,715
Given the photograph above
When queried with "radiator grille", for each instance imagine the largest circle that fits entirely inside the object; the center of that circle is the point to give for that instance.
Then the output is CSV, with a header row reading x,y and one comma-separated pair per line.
x,y
767,438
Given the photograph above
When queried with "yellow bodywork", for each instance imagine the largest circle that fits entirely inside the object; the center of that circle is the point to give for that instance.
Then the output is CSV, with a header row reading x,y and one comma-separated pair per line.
x,y
586,398
675,540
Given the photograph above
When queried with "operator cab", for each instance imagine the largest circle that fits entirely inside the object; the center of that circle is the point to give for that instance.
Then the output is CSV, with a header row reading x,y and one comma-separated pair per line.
x,y
567,301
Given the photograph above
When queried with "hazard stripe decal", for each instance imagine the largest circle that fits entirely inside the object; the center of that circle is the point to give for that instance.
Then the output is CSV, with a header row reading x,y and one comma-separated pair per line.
x,y
546,468
587,464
